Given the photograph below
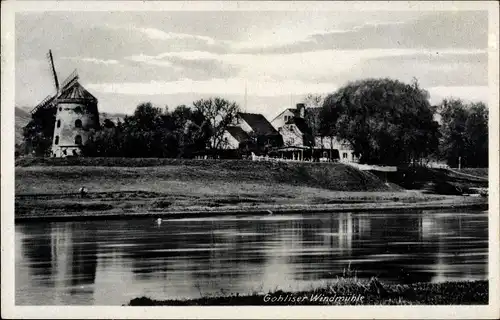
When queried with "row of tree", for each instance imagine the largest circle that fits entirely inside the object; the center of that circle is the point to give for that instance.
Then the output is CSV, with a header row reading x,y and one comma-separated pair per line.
x,y
391,122
153,132
385,121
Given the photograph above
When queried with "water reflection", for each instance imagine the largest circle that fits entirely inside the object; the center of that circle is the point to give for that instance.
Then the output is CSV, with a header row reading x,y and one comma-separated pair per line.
x,y
110,262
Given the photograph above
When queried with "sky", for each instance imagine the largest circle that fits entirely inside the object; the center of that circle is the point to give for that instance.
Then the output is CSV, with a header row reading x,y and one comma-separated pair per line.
x,y
173,58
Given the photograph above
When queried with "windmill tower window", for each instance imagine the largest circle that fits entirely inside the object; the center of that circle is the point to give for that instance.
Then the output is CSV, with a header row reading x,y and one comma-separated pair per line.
x,y
78,123
58,123
56,141
78,140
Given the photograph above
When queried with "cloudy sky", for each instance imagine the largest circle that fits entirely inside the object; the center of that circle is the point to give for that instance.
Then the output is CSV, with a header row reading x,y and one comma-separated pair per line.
x,y
172,58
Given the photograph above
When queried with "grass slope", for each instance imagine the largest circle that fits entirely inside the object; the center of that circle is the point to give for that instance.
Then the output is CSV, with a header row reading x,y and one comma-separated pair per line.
x,y
164,175
49,188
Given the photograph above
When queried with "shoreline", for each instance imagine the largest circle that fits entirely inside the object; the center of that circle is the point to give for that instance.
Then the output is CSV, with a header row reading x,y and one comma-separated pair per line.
x,y
347,291
203,212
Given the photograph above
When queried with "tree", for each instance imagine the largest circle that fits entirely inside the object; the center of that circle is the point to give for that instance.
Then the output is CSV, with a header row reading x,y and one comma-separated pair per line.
x,y
147,133
103,143
191,129
313,104
219,113
107,123
38,135
464,130
385,121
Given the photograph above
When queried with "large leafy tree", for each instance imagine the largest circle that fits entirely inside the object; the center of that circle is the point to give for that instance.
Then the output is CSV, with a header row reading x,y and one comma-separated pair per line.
x,y
191,129
312,115
465,133
220,114
145,134
385,121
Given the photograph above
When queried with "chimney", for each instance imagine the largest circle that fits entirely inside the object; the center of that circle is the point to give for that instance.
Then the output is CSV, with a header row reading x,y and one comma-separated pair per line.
x,y
301,108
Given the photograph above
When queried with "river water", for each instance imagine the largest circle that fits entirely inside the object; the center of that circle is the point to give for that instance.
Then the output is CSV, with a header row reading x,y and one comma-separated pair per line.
x,y
111,262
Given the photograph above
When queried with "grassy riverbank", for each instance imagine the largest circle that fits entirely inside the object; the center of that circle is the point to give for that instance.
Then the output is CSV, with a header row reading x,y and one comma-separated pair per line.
x,y
350,292
48,188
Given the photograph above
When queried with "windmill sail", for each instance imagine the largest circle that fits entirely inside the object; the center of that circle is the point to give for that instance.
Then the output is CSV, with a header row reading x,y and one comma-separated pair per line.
x,y
54,73
46,103
69,80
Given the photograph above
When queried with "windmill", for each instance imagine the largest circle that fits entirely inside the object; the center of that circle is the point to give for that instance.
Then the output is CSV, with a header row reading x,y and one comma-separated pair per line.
x,y
72,111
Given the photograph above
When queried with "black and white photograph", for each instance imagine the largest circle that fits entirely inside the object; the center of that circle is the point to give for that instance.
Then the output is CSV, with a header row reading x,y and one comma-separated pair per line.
x,y
250,154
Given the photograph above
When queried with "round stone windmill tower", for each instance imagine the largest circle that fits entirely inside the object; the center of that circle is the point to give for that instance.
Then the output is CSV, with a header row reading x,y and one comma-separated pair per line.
x,y
76,114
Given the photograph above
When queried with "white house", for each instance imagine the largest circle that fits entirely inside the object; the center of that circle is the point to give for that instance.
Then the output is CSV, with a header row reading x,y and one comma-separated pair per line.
x,y
232,138
251,127
288,114
299,138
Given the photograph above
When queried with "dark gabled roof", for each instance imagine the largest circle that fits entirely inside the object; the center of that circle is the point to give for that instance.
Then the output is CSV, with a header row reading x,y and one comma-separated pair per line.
x,y
301,125
239,134
258,123
75,91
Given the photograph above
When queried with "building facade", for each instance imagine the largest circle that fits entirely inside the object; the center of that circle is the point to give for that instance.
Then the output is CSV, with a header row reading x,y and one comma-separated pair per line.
x,y
288,114
251,128
301,142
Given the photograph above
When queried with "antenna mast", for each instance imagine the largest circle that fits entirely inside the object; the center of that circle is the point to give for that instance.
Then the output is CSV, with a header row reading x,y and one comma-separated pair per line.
x,y
246,97
56,82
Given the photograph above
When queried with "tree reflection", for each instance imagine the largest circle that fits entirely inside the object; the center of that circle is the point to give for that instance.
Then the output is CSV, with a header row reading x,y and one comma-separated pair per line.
x,y
37,250
182,257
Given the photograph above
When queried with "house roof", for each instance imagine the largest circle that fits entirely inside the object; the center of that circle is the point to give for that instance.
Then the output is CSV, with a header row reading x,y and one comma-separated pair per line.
x,y
258,123
292,110
239,134
301,124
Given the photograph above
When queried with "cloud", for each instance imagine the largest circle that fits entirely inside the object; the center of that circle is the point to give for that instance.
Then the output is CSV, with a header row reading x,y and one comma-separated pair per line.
x,y
157,34
467,93
162,35
193,65
153,60
92,60
451,68
231,86
311,66
462,29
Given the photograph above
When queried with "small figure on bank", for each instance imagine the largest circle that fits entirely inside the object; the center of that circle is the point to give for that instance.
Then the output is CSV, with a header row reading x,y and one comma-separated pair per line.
x,y
83,192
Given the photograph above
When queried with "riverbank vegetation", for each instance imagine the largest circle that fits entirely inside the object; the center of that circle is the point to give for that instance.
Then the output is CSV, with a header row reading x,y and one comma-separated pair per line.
x,y
349,291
